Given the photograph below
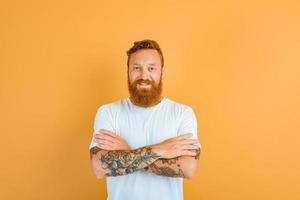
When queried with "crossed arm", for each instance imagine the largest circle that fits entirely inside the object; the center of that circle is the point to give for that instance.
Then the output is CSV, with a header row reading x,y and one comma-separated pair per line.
x,y
175,157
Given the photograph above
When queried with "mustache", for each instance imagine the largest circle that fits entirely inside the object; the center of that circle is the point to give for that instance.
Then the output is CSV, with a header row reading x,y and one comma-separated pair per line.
x,y
144,81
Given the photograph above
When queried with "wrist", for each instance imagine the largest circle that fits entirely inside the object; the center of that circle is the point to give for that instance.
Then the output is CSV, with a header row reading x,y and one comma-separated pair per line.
x,y
157,150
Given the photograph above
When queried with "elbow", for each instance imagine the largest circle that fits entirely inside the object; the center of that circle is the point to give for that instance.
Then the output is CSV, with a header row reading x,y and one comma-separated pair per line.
x,y
189,175
192,167
99,175
190,171
97,168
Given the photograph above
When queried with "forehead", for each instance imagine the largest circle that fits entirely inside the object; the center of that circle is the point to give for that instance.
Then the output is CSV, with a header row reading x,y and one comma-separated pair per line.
x,y
145,56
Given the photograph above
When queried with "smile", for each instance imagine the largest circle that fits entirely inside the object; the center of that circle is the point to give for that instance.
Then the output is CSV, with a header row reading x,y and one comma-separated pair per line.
x,y
144,85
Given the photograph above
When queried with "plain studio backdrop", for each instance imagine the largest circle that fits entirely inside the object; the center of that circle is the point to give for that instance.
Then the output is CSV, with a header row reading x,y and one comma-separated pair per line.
x,y
237,63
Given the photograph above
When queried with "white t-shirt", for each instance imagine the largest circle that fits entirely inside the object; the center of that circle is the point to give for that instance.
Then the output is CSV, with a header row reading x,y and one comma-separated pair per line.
x,y
141,127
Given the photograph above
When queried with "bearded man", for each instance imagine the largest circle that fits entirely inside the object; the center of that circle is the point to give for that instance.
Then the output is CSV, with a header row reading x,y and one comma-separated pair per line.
x,y
145,144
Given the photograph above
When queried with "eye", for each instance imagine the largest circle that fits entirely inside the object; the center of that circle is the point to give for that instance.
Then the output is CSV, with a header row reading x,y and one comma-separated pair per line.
x,y
136,68
151,68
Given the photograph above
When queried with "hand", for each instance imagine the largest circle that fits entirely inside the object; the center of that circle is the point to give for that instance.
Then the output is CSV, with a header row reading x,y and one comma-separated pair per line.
x,y
176,146
109,141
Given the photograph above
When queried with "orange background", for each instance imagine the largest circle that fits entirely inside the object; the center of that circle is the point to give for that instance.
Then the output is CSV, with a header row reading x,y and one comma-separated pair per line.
x,y
235,62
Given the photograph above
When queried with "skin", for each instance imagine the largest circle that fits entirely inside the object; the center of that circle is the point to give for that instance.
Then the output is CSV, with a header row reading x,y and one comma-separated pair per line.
x,y
145,64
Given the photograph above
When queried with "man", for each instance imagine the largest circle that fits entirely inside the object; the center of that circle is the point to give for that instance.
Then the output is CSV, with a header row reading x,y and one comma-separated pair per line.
x,y
145,144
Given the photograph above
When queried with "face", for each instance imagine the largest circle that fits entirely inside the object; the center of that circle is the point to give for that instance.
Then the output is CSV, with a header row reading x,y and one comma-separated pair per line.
x,y
144,77
145,64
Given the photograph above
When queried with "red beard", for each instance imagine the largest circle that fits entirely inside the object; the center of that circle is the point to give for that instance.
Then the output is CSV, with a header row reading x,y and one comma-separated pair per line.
x,y
145,97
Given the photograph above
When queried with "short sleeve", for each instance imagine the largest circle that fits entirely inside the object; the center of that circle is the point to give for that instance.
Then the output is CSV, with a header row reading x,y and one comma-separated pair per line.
x,y
102,121
188,124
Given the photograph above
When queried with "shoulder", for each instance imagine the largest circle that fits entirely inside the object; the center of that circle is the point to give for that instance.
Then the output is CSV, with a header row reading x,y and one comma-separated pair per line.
x,y
177,106
113,106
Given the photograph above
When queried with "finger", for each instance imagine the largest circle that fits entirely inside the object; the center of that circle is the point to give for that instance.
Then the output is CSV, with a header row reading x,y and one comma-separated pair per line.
x,y
105,137
188,153
106,131
113,139
112,135
184,136
189,147
104,147
99,135
100,141
189,141
109,133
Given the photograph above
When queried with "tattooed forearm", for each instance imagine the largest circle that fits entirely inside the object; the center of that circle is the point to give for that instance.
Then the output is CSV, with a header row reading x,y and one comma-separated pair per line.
x,y
175,167
122,162
169,161
166,167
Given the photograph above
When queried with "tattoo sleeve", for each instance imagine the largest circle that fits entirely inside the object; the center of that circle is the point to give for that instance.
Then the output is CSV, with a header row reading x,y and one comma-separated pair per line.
x,y
123,162
173,167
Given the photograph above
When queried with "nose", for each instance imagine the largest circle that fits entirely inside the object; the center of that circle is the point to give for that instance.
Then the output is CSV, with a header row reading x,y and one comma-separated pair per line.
x,y
144,73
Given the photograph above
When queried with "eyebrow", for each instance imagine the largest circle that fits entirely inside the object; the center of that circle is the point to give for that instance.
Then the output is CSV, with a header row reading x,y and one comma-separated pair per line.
x,y
151,64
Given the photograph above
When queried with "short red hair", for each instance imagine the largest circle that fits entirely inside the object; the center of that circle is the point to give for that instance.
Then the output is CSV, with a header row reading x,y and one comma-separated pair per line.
x,y
145,44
